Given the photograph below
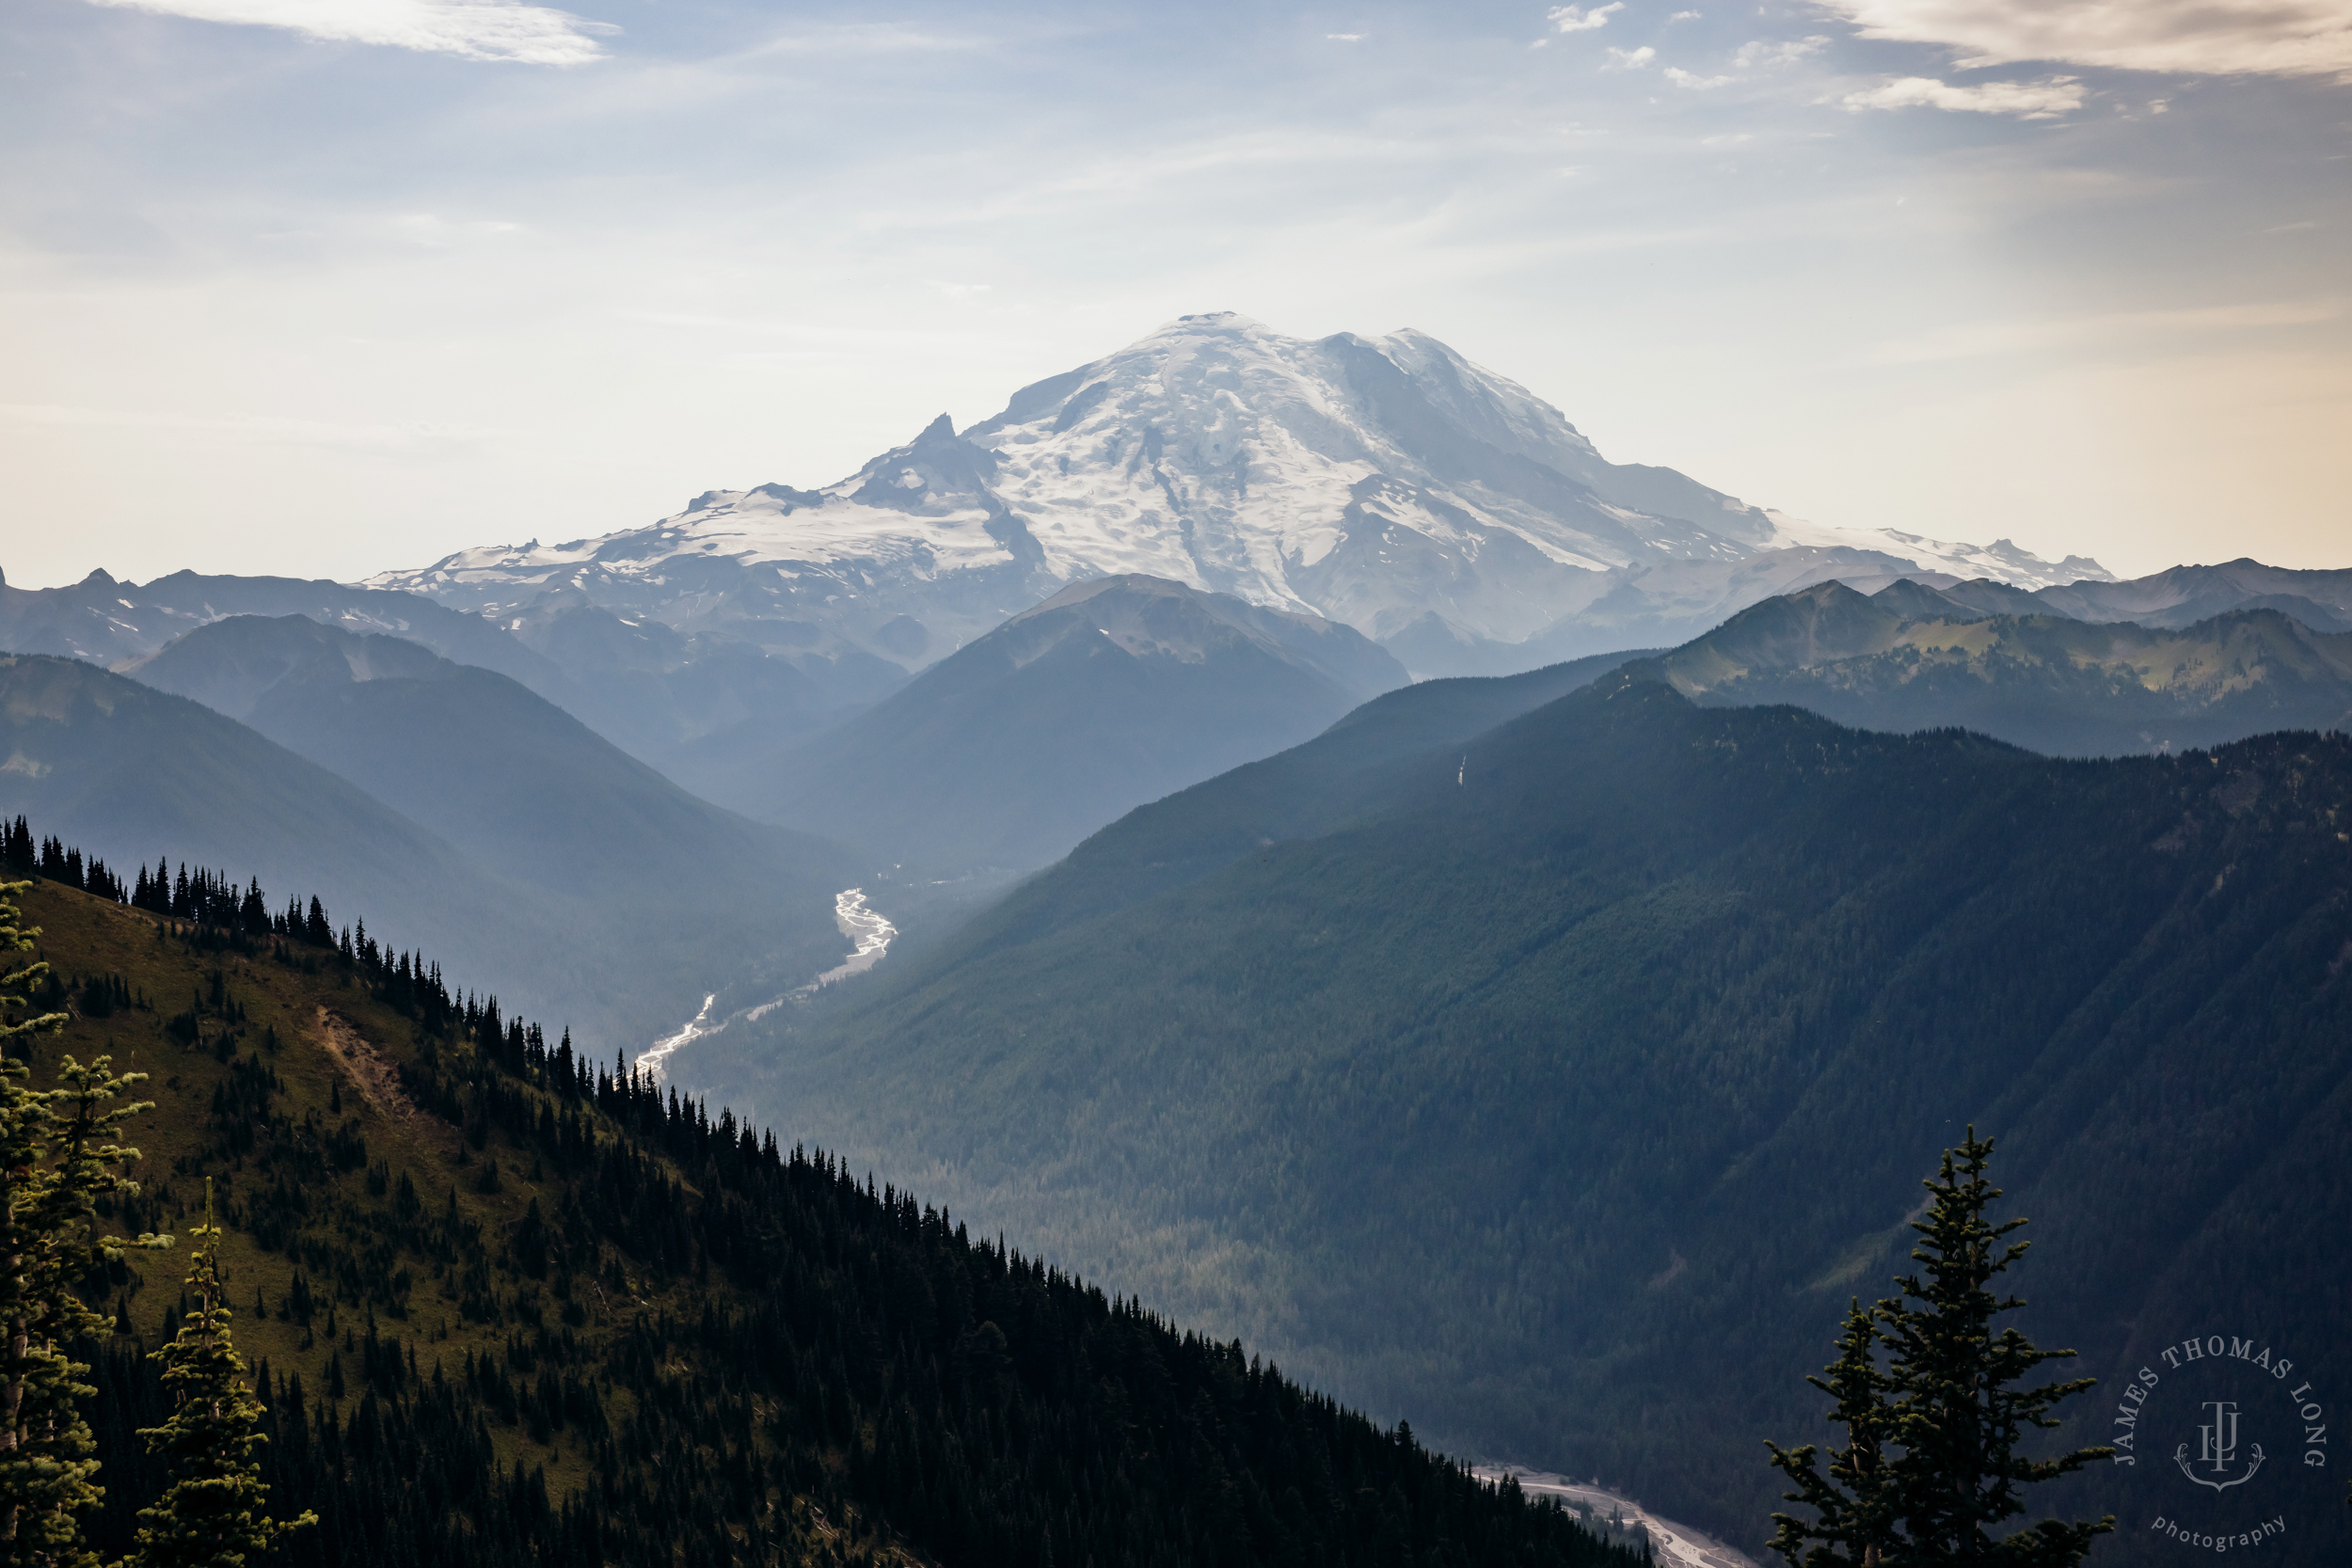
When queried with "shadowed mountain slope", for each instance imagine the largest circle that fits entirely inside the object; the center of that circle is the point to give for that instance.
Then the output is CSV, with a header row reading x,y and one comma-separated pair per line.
x,y
132,772
1346,773
1108,694
698,896
1559,1099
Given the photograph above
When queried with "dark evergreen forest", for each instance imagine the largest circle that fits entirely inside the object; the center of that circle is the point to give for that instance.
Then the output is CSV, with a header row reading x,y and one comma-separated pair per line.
x,y
1555,1087
511,1306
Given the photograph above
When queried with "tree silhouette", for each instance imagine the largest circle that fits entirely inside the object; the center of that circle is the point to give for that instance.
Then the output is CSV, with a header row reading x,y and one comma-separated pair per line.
x,y
212,1515
1933,1464
58,1159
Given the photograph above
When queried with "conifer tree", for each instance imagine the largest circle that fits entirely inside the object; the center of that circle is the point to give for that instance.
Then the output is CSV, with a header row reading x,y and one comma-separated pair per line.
x,y
210,1514
1853,1505
1933,1464
57,1158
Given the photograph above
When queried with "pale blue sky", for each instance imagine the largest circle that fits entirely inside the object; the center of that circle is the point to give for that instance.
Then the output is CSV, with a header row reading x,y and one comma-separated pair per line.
x,y
330,286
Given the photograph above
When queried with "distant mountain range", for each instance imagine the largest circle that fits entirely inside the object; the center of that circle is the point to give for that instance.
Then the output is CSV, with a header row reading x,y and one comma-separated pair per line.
x,y
646,688
1009,751
1385,483
1554,1081
449,799
1677,601
135,773
1911,658
521,786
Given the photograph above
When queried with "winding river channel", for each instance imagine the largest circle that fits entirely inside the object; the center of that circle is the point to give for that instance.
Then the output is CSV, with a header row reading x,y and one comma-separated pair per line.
x,y
869,933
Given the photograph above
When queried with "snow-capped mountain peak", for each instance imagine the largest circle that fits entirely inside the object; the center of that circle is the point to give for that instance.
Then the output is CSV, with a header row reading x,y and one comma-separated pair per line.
x,y
1375,482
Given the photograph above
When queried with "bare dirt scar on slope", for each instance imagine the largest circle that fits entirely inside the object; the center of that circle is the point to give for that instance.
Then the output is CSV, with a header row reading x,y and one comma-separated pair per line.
x,y
378,1079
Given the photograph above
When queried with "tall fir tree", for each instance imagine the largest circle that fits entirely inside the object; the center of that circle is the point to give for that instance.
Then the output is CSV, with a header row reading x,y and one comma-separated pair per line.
x,y
212,1515
1852,1504
1938,1407
58,1159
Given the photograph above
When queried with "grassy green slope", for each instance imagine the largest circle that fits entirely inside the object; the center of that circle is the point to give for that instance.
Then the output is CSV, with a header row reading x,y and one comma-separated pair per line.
x,y
1560,1104
507,1312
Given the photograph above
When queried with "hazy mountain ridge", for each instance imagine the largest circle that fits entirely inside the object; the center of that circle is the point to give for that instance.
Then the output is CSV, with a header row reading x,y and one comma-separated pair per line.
x,y
1008,751
1913,657
640,684
576,879
131,772
509,776
101,621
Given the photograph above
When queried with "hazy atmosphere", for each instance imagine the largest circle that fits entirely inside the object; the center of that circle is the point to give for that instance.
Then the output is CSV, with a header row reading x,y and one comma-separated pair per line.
x,y
337,288
1556,786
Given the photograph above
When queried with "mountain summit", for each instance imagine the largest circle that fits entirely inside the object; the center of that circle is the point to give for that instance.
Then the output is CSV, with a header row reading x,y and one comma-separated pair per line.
x,y
1373,482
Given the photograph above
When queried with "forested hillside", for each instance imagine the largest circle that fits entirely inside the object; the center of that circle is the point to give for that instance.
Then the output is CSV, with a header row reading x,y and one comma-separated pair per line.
x,y
1556,1086
508,1307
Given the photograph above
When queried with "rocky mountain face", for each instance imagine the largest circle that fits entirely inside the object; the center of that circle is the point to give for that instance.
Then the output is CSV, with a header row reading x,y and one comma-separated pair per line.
x,y
1006,754
1385,483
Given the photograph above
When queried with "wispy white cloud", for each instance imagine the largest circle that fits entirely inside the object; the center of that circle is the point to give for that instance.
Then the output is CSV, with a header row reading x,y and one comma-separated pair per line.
x,y
866,38
1629,59
1685,16
1682,78
1582,18
1345,38
2043,100
474,29
1760,52
2200,38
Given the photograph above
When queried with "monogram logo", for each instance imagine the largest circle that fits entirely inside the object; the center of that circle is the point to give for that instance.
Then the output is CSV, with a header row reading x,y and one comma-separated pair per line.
x,y
2217,1450
2234,1416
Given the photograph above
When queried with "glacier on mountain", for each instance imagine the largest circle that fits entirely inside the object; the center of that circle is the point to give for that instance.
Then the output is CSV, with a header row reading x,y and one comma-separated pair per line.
x,y
1388,483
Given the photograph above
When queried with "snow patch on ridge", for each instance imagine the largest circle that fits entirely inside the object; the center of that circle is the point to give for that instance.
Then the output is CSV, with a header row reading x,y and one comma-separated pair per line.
x,y
2001,561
